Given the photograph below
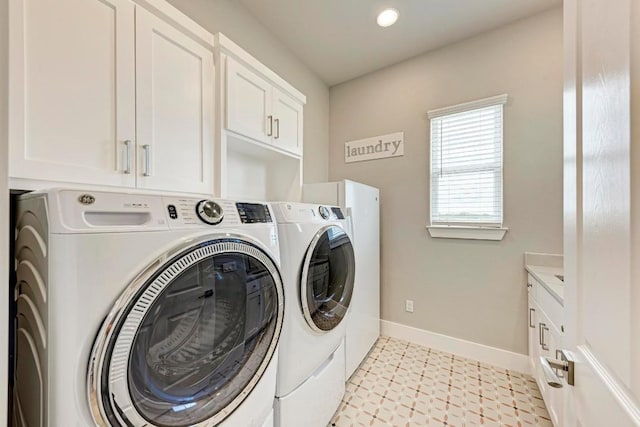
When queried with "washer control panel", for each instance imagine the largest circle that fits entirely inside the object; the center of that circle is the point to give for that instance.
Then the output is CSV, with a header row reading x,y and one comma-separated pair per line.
x,y
251,213
209,212
198,213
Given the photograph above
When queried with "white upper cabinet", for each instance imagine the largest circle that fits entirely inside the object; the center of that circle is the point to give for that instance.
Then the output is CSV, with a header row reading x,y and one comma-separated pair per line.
x,y
248,103
257,109
287,122
259,138
103,92
72,90
174,75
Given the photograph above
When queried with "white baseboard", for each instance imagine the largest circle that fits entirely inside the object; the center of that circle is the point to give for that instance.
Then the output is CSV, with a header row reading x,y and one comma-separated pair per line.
x,y
483,353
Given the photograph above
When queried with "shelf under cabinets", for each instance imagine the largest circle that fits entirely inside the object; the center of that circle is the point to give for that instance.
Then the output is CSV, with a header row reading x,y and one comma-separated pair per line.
x,y
258,172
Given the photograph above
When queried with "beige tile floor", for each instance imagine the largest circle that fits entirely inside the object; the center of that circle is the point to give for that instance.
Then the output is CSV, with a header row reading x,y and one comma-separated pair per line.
x,y
403,384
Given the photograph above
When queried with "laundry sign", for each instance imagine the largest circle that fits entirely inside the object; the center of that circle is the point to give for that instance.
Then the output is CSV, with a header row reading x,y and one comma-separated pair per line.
x,y
377,147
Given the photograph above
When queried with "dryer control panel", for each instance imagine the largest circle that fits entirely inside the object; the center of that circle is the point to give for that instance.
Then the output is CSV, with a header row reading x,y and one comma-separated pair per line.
x,y
306,212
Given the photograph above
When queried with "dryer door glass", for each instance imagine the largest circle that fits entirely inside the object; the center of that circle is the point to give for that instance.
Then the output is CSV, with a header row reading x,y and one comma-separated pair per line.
x,y
196,339
327,278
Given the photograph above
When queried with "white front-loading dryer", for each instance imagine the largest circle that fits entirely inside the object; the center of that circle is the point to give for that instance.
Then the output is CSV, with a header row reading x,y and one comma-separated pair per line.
x,y
142,310
318,268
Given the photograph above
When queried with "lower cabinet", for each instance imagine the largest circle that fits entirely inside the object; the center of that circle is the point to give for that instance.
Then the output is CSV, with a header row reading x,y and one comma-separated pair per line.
x,y
545,340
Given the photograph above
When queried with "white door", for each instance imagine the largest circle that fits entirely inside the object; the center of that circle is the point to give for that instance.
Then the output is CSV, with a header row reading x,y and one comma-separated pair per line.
x,y
287,125
602,211
248,103
72,90
174,81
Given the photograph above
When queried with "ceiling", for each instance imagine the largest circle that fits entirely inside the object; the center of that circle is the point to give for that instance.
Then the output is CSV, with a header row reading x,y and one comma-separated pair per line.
x,y
339,39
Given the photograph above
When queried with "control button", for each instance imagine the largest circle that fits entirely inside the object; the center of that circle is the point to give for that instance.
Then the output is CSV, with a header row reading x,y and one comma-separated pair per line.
x,y
173,212
324,212
209,212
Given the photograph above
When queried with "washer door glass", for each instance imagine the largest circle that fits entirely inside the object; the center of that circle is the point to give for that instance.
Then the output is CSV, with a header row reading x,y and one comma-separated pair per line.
x,y
197,338
327,278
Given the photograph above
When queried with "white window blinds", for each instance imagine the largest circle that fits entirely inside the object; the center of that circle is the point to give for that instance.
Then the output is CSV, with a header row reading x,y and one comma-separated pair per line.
x,y
466,163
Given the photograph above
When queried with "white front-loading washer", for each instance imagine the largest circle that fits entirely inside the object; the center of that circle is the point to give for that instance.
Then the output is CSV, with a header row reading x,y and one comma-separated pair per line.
x,y
144,310
318,269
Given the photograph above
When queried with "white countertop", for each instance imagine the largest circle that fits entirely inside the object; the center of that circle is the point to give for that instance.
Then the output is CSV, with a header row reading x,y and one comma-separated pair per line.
x,y
546,277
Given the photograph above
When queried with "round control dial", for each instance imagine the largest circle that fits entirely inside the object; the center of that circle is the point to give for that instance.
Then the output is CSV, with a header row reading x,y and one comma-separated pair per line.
x,y
209,211
324,212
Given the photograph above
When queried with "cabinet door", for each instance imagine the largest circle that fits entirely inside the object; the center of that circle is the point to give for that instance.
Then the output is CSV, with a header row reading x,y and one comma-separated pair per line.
x,y
248,103
174,76
544,340
554,400
71,90
532,327
287,127
542,347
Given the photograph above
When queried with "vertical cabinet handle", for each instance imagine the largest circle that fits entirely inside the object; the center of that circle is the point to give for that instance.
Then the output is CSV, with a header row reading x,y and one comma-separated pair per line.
x,y
270,131
543,327
127,153
277,135
532,312
147,159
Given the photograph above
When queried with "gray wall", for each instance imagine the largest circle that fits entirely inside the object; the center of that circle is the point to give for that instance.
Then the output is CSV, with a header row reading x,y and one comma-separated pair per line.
x,y
474,290
236,22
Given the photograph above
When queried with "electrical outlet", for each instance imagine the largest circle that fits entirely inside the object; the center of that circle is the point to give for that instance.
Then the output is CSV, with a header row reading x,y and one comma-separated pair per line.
x,y
408,306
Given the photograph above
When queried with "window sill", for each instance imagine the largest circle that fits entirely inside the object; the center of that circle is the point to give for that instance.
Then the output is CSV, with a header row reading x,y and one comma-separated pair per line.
x,y
466,232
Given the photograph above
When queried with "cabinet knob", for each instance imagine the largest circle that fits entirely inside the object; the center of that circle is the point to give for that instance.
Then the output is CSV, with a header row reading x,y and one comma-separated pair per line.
x,y
270,131
277,122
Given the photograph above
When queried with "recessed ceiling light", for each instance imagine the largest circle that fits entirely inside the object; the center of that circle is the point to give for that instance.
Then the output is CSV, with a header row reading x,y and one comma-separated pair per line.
x,y
387,17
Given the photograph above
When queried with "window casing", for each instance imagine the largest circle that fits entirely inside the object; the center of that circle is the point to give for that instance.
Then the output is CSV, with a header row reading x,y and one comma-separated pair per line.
x,y
467,164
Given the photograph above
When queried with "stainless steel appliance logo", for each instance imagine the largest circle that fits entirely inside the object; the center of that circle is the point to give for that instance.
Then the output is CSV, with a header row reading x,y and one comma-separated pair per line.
x,y
86,199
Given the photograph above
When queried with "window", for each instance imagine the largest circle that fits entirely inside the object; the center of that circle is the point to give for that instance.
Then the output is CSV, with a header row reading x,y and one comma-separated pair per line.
x,y
466,168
